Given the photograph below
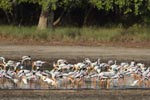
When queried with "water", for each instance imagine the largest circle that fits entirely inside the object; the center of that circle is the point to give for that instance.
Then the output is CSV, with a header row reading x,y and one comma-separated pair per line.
x,y
66,84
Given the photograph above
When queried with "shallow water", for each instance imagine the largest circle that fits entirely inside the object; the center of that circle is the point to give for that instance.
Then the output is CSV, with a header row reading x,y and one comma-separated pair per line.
x,y
66,85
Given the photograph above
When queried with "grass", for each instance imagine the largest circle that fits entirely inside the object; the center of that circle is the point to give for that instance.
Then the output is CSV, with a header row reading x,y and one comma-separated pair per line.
x,y
134,33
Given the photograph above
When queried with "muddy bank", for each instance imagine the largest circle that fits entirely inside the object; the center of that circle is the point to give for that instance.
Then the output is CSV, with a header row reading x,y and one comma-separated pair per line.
x,y
47,52
75,53
75,94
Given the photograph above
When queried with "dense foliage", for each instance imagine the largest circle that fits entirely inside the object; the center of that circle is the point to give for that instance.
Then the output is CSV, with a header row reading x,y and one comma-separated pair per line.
x,y
75,12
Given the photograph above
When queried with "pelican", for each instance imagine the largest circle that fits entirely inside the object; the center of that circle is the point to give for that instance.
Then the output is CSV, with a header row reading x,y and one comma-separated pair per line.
x,y
26,62
2,62
37,64
2,59
25,58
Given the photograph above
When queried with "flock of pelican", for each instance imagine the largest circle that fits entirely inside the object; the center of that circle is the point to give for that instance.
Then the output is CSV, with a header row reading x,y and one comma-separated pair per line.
x,y
29,74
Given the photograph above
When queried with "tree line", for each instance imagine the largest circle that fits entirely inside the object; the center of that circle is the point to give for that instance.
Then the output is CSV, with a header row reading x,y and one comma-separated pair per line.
x,y
52,13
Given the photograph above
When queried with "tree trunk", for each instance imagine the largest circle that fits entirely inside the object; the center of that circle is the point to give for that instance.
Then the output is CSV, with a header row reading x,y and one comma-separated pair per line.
x,y
50,19
43,20
58,19
15,12
21,15
8,18
88,12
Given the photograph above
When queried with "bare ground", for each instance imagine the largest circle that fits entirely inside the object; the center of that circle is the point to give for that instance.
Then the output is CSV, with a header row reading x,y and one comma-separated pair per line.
x,y
74,52
75,94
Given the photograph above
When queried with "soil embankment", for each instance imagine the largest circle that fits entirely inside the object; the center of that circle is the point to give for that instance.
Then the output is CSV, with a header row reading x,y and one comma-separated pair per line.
x,y
74,52
75,94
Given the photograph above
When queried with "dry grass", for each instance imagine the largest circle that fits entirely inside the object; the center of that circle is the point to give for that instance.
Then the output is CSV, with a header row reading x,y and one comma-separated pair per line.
x,y
136,33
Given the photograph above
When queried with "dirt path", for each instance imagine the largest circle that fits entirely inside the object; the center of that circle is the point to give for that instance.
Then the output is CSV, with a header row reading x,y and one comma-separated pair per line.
x,y
74,52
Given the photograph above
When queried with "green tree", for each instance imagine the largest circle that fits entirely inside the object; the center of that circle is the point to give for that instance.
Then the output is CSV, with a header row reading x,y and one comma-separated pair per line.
x,y
47,8
46,18
127,6
6,5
